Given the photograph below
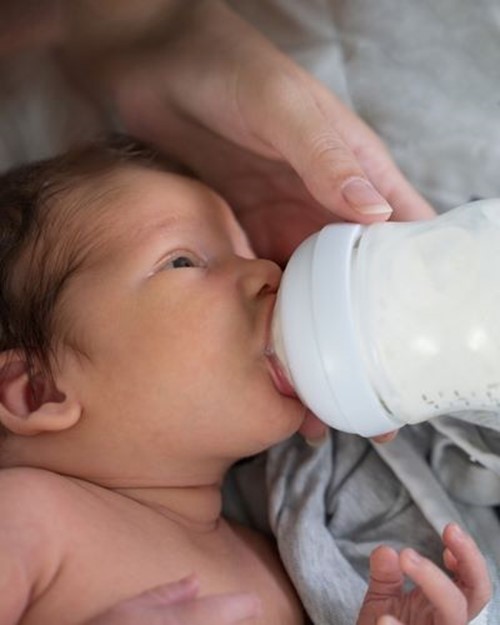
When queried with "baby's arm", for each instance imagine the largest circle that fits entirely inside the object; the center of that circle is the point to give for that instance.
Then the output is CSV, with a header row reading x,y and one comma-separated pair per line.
x,y
14,591
436,599
28,560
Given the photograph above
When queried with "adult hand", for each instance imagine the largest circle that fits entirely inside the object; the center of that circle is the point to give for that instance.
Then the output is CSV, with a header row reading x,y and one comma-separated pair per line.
x,y
436,599
289,157
177,604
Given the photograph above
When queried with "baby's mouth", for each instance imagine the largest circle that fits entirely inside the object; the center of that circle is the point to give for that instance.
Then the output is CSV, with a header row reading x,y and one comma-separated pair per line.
x,y
278,376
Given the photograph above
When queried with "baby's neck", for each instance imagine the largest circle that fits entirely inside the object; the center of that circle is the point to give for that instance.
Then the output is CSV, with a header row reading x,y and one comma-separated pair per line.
x,y
198,508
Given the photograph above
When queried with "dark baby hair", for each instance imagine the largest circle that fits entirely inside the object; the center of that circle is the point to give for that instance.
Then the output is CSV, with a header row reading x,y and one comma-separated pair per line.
x,y
36,260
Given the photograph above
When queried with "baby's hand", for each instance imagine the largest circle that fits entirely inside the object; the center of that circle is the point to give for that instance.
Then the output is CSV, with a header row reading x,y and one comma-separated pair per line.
x,y
436,599
177,604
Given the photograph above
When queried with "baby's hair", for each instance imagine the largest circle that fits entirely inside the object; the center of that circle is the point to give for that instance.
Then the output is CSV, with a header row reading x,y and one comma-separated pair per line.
x,y
36,256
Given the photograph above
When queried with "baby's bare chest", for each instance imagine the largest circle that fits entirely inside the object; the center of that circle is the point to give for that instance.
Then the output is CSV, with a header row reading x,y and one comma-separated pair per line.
x,y
112,557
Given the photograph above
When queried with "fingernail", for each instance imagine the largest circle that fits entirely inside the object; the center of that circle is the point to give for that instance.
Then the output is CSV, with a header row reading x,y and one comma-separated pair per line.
x,y
457,531
361,195
387,620
413,556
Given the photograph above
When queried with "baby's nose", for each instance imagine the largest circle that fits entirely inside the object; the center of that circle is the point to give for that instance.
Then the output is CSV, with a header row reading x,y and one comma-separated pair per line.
x,y
258,276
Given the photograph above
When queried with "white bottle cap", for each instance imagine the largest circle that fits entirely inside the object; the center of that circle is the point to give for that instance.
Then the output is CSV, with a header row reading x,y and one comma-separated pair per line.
x,y
321,346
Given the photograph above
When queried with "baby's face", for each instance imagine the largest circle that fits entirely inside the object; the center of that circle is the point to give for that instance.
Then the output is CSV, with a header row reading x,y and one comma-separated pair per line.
x,y
174,315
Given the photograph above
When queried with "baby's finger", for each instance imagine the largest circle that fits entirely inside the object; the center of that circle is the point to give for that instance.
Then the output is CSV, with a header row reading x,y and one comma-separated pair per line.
x,y
172,604
225,609
440,590
386,578
182,590
449,560
470,571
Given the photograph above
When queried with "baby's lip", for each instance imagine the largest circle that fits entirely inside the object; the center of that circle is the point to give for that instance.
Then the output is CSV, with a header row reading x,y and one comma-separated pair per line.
x,y
278,375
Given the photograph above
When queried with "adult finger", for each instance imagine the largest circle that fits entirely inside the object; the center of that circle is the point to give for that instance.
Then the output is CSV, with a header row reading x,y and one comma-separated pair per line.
x,y
385,438
313,430
406,202
290,116
469,568
446,598
342,162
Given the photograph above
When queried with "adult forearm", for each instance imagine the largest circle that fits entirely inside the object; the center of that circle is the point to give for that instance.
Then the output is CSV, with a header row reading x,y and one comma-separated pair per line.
x,y
83,24
29,23
103,40
94,24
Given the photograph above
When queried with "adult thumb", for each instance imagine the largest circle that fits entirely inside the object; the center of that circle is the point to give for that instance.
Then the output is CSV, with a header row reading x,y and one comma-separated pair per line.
x,y
302,121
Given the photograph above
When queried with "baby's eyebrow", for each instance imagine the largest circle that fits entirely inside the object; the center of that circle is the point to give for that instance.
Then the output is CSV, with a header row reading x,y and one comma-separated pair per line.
x,y
164,226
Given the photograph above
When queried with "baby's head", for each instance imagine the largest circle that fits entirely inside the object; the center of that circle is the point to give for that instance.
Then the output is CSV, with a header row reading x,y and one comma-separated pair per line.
x,y
41,245
134,322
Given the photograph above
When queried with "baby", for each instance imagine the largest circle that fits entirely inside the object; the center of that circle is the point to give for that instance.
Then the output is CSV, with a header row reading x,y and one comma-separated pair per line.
x,y
135,371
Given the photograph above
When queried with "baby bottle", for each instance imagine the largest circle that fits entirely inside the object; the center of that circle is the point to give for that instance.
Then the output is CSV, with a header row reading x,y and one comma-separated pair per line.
x,y
394,323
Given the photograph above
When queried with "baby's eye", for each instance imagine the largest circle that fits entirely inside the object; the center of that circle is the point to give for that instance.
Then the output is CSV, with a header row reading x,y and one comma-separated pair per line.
x,y
182,261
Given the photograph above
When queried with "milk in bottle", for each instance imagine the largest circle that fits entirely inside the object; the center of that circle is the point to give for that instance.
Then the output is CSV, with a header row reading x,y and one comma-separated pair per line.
x,y
393,323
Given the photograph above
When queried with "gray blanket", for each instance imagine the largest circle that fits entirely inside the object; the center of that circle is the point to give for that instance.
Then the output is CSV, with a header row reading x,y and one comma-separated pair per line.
x,y
329,507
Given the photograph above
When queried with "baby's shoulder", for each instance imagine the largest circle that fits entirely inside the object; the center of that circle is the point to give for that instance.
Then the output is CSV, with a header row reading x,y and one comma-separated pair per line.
x,y
30,482
32,545
32,496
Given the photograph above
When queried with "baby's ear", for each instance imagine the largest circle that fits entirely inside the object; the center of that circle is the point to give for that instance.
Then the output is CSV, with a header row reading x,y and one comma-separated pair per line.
x,y
32,405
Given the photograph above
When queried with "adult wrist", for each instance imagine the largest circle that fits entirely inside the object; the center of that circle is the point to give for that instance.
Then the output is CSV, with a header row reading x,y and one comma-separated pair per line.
x,y
104,41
